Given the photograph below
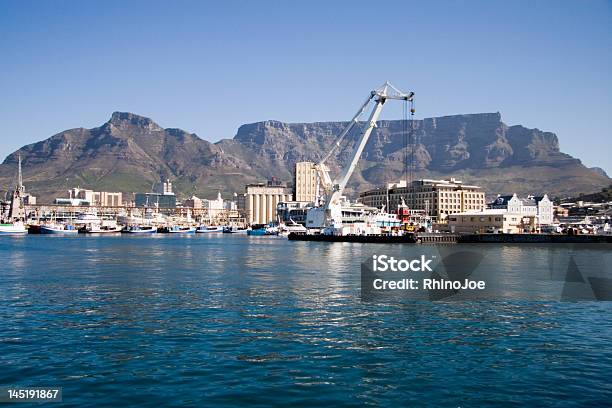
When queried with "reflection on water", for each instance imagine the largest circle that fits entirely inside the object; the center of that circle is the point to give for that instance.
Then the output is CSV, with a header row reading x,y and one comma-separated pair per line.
x,y
227,319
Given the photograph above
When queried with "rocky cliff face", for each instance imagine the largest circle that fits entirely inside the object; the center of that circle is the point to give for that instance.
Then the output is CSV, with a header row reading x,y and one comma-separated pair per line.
x,y
131,153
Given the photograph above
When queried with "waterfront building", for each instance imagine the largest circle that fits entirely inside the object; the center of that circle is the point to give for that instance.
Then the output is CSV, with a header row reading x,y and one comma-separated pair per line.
x,y
193,202
539,207
107,199
164,198
166,188
260,201
29,199
82,196
305,182
231,205
489,220
291,212
214,207
438,198
560,211
154,200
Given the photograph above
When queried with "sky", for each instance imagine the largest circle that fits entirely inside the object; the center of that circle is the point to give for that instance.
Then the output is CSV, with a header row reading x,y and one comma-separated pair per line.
x,y
208,67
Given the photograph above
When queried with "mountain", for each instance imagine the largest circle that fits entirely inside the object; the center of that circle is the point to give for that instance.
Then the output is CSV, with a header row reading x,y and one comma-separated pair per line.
x,y
131,153
600,171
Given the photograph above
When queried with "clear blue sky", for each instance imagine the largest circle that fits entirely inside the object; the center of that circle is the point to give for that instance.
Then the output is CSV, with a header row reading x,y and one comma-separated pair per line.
x,y
208,67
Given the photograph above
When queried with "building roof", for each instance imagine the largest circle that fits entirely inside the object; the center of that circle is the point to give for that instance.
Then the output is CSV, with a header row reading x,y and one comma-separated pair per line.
x,y
488,211
528,202
502,200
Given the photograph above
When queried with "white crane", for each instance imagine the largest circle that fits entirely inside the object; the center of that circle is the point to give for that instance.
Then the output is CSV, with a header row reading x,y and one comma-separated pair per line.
x,y
328,212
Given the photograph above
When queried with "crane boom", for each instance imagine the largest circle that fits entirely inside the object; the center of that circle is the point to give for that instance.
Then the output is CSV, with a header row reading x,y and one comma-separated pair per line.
x,y
330,212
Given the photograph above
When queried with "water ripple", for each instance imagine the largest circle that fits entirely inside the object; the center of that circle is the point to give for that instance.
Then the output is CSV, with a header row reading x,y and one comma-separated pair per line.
x,y
232,321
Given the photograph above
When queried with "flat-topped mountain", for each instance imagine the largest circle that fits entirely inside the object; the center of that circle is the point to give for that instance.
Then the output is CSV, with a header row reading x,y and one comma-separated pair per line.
x,y
131,153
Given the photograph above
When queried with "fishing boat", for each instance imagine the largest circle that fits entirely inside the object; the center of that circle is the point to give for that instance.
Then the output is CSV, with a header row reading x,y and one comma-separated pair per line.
x,y
140,229
56,228
257,230
234,230
263,229
101,229
13,228
177,229
204,229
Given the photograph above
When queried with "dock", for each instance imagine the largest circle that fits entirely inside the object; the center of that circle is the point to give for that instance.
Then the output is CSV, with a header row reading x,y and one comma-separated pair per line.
x,y
365,239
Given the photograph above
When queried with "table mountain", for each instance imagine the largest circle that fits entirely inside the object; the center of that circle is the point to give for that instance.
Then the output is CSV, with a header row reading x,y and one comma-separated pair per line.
x,y
131,153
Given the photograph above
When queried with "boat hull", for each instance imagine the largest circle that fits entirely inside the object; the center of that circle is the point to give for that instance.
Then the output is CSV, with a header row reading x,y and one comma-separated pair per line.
x,y
11,229
56,231
208,230
182,231
234,231
140,231
102,231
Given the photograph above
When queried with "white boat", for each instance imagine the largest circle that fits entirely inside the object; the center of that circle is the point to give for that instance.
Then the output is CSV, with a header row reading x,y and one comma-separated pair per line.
x,y
204,229
58,229
177,229
140,229
13,228
234,230
136,217
102,229
286,229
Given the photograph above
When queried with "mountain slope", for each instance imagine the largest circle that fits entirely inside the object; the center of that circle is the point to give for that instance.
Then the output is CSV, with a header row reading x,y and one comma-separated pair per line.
x,y
131,153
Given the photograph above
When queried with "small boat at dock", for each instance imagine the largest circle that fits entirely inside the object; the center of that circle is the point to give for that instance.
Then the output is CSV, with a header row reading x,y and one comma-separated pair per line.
x,y
102,229
62,229
234,230
140,229
13,228
262,229
204,229
177,229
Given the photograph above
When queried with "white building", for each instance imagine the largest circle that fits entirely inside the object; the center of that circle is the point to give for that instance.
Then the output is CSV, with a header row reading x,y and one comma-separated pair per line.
x,y
488,221
214,207
81,196
193,202
260,201
541,208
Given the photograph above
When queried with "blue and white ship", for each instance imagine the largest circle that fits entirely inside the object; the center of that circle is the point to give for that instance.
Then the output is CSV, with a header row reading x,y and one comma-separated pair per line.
x,y
55,228
177,229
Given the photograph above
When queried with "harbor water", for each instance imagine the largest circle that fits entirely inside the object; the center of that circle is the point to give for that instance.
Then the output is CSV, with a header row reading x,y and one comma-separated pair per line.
x,y
233,320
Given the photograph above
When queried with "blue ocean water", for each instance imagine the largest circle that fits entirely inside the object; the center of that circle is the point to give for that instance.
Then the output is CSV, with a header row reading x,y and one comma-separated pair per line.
x,y
229,320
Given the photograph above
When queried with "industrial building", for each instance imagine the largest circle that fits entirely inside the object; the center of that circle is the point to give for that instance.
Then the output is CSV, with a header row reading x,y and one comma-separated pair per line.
x,y
305,182
260,201
165,198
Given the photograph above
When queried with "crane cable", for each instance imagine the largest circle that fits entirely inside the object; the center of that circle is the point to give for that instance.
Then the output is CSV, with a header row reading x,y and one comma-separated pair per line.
x,y
404,132
411,139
